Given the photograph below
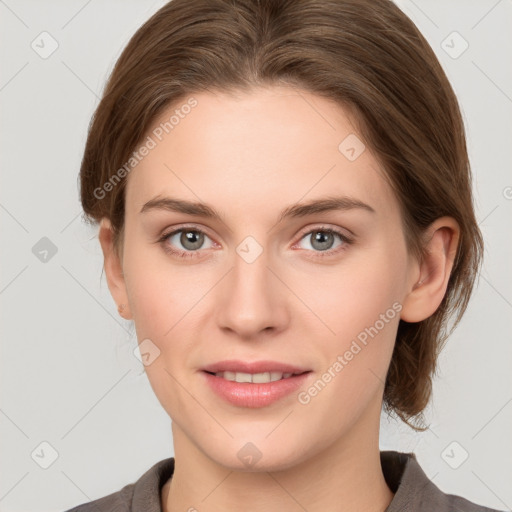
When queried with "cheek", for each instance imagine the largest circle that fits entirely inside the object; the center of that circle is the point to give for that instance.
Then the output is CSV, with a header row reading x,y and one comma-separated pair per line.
x,y
161,291
168,301
362,309
360,304
352,296
162,298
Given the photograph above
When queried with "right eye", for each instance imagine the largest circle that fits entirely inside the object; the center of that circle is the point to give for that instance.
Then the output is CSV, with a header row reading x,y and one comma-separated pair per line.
x,y
190,239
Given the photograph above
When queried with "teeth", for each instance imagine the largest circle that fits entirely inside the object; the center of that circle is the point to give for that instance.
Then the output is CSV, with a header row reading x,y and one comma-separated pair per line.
x,y
257,378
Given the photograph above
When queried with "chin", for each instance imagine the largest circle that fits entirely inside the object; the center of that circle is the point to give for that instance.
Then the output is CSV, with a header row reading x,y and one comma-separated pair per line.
x,y
261,455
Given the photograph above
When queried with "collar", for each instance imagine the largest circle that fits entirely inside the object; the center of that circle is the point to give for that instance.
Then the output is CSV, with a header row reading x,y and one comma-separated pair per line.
x,y
413,490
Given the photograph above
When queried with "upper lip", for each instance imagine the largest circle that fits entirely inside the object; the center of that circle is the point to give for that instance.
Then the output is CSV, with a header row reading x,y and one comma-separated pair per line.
x,y
233,365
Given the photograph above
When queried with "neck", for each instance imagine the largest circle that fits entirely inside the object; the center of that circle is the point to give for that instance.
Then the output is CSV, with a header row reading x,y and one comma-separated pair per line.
x,y
345,476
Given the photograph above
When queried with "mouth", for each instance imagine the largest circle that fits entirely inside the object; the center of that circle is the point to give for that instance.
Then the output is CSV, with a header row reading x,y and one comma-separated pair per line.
x,y
254,384
236,366
255,378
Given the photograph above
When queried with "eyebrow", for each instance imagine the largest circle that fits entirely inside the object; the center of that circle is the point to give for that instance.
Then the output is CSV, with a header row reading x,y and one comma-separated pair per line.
x,y
325,204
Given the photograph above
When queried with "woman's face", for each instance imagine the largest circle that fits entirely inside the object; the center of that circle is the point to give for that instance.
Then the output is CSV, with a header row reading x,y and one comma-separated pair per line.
x,y
256,285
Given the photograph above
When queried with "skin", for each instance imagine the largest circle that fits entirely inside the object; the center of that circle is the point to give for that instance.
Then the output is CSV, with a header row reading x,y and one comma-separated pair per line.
x,y
249,156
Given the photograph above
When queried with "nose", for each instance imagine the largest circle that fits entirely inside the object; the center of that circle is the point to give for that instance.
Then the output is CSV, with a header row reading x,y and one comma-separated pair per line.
x,y
252,299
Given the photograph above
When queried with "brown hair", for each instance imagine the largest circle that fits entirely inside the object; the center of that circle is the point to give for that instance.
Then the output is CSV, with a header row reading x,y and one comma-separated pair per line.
x,y
367,56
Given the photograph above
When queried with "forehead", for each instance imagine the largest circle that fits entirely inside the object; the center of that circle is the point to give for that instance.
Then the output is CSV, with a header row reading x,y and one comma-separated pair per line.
x,y
275,145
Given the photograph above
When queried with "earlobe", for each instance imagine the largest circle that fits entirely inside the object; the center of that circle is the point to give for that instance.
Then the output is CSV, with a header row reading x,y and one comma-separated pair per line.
x,y
427,292
113,269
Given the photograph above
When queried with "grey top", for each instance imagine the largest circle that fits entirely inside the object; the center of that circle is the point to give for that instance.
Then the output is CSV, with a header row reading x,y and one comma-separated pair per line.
x,y
414,492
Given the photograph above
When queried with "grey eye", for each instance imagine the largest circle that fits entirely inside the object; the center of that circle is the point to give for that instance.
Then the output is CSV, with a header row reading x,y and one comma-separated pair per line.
x,y
188,240
321,240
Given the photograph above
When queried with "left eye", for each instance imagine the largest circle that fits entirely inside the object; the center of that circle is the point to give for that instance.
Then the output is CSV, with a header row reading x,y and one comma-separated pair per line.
x,y
322,240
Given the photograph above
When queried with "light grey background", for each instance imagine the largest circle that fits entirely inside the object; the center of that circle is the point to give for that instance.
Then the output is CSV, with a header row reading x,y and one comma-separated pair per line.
x,y
68,374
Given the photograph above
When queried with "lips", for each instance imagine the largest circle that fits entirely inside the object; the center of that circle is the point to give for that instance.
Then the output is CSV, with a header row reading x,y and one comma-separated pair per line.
x,y
254,384
237,366
255,395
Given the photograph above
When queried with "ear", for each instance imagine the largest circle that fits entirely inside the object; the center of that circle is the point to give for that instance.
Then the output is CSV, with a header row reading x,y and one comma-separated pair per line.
x,y
113,269
426,291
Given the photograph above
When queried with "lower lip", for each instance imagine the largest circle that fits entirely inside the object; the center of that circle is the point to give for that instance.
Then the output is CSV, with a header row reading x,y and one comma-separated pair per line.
x,y
246,394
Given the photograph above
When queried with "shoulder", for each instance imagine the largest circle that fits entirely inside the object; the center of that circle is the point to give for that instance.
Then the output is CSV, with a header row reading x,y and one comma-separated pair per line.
x,y
119,501
452,502
140,496
413,490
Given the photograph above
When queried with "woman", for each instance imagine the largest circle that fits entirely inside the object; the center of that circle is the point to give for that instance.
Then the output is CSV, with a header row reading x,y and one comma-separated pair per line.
x,y
285,209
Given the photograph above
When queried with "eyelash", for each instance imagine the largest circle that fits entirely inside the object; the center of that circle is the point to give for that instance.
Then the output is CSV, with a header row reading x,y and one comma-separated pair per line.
x,y
193,254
